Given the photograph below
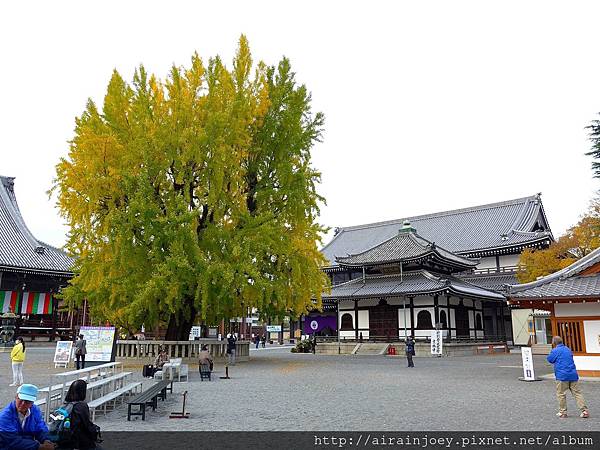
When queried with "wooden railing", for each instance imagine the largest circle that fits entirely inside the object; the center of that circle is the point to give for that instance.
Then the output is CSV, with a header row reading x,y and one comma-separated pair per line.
x,y
146,351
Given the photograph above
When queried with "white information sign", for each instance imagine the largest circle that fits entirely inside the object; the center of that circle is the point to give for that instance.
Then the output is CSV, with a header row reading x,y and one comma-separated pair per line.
x,y
195,332
62,354
528,373
273,328
99,343
436,342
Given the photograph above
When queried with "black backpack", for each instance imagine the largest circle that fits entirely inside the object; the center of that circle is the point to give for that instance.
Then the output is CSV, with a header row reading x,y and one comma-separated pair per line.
x,y
59,425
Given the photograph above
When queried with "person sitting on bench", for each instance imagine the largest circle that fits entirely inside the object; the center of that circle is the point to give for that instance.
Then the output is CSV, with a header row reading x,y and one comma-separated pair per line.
x,y
161,359
205,358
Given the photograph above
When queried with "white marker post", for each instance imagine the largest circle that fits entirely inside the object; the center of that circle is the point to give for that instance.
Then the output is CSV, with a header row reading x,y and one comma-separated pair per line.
x,y
528,372
436,343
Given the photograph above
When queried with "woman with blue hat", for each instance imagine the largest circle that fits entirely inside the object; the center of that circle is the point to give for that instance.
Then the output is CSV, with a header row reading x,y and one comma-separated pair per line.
x,y
22,425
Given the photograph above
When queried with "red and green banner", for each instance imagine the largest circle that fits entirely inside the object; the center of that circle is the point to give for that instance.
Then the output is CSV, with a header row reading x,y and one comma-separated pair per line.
x,y
36,303
8,300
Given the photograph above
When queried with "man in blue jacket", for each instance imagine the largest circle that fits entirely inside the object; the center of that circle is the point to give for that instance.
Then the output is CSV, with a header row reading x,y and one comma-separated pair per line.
x,y
566,378
22,426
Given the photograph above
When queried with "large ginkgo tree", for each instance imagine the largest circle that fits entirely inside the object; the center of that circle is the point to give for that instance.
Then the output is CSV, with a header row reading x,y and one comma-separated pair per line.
x,y
194,197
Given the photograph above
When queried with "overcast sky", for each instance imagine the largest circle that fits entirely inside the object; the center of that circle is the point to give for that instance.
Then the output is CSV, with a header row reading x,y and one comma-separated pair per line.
x,y
429,106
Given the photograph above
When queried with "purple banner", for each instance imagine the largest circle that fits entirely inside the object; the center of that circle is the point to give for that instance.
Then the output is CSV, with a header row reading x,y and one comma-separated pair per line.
x,y
315,324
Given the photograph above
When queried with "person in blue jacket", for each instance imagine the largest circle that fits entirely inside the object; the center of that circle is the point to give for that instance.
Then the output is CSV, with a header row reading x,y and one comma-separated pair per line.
x,y
22,425
566,378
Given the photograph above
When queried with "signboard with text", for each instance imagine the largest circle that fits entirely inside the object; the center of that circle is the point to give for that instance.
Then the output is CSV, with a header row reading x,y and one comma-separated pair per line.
x,y
273,328
527,356
100,342
62,354
436,342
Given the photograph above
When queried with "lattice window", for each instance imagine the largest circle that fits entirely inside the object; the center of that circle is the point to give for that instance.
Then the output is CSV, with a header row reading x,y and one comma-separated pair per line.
x,y
571,332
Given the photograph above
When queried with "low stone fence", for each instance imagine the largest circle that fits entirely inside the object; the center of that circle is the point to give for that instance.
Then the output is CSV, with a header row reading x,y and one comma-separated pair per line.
x,y
421,348
145,351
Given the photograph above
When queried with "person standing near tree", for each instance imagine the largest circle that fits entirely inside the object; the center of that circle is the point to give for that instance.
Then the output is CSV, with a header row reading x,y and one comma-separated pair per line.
x,y
17,358
80,352
231,340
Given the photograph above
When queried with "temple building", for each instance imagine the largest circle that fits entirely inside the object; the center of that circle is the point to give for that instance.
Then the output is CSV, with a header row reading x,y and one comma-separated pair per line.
x,y
446,270
31,272
572,298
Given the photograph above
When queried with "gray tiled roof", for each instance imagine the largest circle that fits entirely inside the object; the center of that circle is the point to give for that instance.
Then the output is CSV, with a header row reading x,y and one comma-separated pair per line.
x,y
19,249
406,246
565,283
493,281
469,231
412,283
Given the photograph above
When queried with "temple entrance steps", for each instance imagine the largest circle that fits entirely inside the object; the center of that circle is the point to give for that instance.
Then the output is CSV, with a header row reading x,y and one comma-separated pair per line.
x,y
370,348
541,349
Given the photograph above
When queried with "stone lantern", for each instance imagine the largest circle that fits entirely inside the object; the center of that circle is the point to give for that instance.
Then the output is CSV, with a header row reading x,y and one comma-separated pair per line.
x,y
7,329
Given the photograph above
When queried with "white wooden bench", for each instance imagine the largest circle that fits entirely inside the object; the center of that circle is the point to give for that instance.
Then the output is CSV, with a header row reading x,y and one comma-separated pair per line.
x,y
112,396
106,382
57,388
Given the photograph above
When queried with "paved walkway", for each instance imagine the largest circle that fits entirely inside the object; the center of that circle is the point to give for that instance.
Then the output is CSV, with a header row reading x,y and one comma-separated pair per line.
x,y
279,390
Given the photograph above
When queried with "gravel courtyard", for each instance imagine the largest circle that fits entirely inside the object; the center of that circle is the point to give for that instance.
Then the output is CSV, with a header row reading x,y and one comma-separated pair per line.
x,y
279,390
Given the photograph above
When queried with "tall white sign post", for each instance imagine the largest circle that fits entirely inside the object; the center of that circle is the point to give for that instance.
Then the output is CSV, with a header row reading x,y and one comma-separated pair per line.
x,y
436,342
527,356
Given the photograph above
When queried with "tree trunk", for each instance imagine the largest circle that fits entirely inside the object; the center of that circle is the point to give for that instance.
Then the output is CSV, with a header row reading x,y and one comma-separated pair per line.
x,y
179,328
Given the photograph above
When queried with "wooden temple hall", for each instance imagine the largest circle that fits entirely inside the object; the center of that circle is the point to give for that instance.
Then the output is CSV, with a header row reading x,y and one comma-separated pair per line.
x,y
31,273
446,270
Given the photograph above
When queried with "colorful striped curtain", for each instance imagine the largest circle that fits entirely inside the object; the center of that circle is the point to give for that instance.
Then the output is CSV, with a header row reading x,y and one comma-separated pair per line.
x,y
31,302
9,301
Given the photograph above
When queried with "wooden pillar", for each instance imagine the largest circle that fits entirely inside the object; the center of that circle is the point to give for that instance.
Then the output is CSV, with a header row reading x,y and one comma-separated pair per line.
x,y
412,316
355,320
436,311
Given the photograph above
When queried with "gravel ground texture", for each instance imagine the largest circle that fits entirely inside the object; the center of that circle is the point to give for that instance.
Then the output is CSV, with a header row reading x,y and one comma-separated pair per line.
x,y
279,390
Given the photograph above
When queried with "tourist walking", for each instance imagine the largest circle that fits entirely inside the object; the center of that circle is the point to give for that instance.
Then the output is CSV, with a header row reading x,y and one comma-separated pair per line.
x,y
22,425
567,378
80,352
84,433
410,351
231,348
257,340
17,358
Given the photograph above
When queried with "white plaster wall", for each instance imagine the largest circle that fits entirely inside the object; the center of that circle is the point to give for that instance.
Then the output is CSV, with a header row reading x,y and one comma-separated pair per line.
x,y
454,301
363,320
471,320
591,330
480,333
452,319
368,302
577,309
509,260
587,362
420,301
349,333
468,302
442,300
396,301
401,319
487,263
344,305
519,325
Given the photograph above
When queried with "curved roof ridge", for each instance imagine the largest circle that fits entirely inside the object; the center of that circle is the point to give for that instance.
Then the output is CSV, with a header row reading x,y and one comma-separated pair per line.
x,y
10,200
567,272
438,214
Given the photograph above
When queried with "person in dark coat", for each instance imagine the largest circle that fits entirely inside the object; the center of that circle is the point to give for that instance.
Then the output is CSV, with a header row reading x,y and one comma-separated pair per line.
x,y
257,340
84,431
263,340
567,378
231,340
410,351
80,352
